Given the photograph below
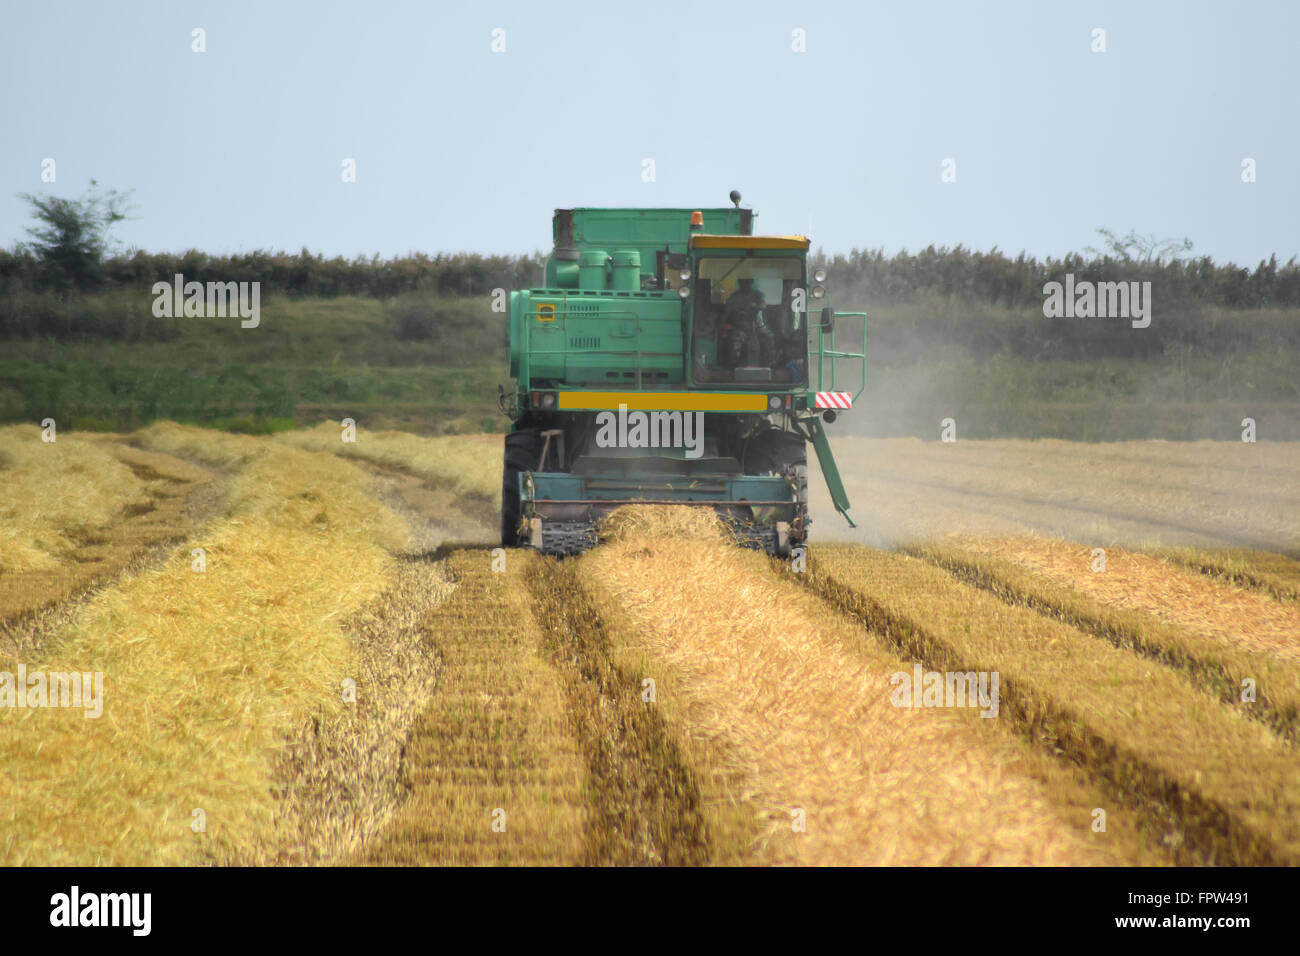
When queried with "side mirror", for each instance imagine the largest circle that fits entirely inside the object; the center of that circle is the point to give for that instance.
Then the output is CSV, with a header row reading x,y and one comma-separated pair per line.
x,y
827,323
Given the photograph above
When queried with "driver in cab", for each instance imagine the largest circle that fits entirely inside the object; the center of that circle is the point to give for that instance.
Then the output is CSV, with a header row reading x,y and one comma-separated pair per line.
x,y
743,318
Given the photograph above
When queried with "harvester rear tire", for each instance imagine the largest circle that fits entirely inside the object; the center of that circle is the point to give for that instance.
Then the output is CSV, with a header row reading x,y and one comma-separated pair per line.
x,y
523,449
776,452
770,451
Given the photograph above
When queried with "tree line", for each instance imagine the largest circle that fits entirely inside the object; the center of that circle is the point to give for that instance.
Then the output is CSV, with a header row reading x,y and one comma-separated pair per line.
x,y
68,254
996,279
304,273
990,277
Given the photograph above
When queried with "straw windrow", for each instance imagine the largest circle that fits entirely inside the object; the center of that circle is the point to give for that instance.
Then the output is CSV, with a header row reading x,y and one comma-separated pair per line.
x,y
782,686
205,674
1220,787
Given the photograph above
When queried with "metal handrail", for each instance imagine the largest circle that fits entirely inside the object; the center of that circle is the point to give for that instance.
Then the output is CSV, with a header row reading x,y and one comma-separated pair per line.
x,y
824,353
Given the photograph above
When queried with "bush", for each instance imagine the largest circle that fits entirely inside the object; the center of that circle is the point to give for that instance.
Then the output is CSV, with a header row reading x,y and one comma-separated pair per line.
x,y
462,330
121,316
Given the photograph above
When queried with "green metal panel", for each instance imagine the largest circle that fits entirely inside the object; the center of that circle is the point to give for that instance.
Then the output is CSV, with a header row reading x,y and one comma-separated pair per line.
x,y
813,430
616,339
566,275
593,327
645,231
592,265
626,265
637,227
766,491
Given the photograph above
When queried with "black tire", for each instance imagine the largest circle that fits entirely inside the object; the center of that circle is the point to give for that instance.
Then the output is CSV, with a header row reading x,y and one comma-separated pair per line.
x,y
770,451
523,448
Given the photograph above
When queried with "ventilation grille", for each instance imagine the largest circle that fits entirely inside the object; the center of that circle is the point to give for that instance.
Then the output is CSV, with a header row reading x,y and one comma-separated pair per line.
x,y
646,376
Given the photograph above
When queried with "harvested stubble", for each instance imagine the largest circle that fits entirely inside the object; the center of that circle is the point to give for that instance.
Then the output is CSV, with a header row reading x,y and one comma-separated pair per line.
x,y
1194,493
894,510
783,687
1168,472
1219,634
1228,787
1228,614
495,737
1273,574
438,518
339,780
205,675
644,799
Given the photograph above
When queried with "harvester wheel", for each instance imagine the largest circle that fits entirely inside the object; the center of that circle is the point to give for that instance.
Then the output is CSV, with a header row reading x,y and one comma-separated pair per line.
x,y
771,451
777,452
522,451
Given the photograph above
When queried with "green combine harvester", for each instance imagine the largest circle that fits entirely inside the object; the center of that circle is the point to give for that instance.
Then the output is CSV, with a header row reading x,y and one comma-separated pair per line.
x,y
671,357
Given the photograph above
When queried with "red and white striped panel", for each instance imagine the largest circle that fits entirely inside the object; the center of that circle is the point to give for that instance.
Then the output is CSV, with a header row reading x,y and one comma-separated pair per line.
x,y
834,399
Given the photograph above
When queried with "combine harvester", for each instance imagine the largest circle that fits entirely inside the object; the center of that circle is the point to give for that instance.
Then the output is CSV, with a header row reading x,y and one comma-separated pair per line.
x,y
667,360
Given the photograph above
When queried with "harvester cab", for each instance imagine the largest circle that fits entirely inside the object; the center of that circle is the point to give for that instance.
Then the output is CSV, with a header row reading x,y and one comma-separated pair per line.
x,y
671,356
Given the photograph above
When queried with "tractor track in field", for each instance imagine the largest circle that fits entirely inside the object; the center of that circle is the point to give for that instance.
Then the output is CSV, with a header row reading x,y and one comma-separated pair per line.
x,y
501,641
644,800
437,516
530,717
489,772
1216,837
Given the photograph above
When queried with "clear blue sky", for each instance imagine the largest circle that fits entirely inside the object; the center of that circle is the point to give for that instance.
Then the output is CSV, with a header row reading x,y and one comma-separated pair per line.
x,y
459,148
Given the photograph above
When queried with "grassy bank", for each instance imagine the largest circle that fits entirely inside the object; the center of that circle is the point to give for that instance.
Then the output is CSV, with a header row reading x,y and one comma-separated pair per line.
x,y
423,364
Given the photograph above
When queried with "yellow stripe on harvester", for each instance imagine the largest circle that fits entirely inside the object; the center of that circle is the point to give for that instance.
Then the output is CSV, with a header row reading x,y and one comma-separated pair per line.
x,y
664,401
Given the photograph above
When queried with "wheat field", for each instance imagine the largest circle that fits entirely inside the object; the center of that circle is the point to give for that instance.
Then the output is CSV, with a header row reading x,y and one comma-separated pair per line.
x,y
313,653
